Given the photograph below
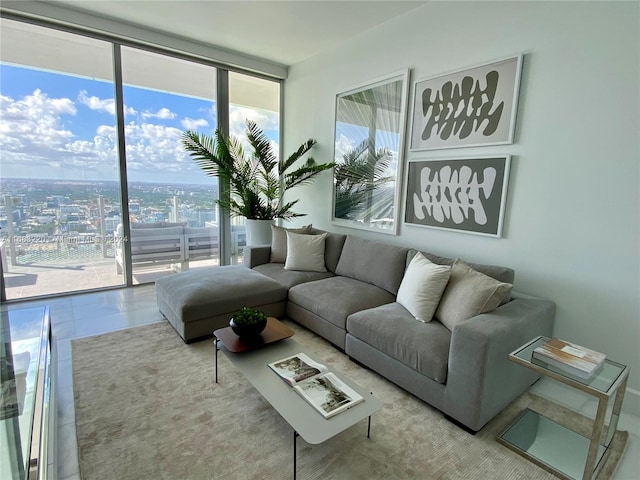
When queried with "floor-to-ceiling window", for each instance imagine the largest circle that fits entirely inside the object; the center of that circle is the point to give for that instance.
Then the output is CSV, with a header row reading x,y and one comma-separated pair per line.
x,y
60,194
62,221
255,99
169,196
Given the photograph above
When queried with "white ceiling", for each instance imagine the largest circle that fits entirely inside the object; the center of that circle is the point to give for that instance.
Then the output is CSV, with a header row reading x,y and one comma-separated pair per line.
x,y
284,32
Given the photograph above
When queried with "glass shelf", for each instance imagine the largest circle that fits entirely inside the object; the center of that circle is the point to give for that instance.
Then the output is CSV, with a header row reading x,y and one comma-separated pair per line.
x,y
602,382
549,444
554,447
24,369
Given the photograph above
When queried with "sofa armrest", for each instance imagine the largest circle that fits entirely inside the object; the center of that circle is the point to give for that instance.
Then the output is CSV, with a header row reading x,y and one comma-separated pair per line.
x,y
481,380
256,255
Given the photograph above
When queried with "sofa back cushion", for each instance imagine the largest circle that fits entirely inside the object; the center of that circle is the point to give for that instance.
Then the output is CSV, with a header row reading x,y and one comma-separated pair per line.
x,y
377,263
333,245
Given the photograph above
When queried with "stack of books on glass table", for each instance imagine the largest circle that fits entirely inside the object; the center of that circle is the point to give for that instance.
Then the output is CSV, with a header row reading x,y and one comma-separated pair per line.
x,y
322,389
567,357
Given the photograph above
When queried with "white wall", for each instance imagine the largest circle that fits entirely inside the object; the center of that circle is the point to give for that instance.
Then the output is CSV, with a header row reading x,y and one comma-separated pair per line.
x,y
572,218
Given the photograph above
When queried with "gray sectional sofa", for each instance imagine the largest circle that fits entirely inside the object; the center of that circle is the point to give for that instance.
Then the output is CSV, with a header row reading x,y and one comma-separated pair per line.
x,y
464,373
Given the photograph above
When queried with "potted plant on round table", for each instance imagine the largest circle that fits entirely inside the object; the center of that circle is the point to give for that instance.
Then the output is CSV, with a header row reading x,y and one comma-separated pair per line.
x,y
257,181
248,322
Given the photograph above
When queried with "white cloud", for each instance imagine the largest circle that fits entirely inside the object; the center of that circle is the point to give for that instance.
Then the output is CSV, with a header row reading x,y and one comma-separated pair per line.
x,y
36,139
34,123
107,105
193,124
157,148
343,145
40,137
239,115
163,114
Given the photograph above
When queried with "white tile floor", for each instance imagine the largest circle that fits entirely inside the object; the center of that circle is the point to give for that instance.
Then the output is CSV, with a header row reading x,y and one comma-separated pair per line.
x,y
94,313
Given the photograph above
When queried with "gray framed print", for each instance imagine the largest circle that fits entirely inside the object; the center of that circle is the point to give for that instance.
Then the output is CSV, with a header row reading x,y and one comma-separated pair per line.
x,y
467,108
369,154
465,195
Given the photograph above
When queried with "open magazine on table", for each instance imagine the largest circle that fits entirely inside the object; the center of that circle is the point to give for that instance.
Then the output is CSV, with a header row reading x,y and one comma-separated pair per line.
x,y
322,389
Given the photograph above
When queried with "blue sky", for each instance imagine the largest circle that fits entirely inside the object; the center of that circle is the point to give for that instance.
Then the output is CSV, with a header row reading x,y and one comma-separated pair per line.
x,y
63,127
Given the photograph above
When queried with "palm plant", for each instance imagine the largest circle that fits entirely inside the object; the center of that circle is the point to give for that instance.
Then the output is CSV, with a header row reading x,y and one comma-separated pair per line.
x,y
257,180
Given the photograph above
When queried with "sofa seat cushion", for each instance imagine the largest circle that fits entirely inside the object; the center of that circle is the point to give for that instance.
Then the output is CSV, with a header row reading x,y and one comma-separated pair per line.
x,y
334,299
289,278
391,329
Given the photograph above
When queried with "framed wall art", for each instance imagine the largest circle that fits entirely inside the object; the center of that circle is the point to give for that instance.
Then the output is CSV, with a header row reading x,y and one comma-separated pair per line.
x,y
466,195
369,152
472,107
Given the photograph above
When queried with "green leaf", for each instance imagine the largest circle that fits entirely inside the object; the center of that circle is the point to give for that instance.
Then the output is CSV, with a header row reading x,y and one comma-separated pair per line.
x,y
257,181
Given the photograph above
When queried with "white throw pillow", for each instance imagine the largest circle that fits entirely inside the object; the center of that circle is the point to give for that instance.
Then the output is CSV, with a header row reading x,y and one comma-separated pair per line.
x,y
305,252
422,287
279,241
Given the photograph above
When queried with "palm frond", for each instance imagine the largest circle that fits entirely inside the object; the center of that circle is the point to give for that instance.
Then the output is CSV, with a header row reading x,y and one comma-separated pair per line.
x,y
305,173
263,151
256,182
295,156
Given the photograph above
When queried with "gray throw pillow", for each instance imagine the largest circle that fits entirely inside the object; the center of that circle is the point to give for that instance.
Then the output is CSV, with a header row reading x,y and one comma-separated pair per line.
x,y
279,241
469,293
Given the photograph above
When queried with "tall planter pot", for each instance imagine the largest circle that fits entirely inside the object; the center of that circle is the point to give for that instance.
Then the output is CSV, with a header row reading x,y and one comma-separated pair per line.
x,y
258,232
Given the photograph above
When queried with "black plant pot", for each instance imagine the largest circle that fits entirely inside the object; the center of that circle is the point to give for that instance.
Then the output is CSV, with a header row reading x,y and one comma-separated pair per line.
x,y
248,331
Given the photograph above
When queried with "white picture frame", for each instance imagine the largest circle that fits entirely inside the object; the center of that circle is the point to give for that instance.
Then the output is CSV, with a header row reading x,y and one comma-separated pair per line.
x,y
473,107
372,112
461,194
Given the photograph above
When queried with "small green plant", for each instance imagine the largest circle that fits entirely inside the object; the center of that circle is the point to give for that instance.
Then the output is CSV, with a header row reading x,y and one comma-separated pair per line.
x,y
249,316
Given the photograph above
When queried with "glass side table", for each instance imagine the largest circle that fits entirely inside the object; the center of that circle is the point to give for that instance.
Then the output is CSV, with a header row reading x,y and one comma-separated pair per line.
x,y
555,448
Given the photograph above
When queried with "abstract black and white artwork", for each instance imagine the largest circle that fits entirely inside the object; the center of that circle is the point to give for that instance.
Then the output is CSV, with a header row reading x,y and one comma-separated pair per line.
x,y
472,107
467,195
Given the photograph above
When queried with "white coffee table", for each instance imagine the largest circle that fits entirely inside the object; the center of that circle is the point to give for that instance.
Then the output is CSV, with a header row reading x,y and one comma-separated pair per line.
x,y
302,417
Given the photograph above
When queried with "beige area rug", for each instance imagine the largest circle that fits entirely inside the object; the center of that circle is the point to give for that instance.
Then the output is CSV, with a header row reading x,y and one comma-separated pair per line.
x,y
147,407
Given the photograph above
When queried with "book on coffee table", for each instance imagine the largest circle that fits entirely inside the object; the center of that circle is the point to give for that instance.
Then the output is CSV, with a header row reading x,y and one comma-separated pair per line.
x,y
297,368
569,357
320,388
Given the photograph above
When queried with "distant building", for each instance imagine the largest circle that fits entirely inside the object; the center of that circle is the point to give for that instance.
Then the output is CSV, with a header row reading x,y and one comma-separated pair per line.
x,y
56,201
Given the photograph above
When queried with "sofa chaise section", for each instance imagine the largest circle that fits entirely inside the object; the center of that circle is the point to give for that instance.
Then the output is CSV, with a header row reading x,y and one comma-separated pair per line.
x,y
201,300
